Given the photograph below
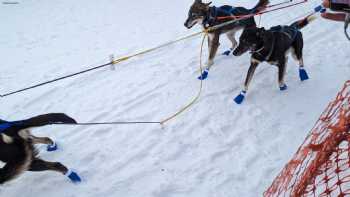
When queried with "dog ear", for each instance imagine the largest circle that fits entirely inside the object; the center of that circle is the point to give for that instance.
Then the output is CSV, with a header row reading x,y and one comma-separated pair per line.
x,y
198,1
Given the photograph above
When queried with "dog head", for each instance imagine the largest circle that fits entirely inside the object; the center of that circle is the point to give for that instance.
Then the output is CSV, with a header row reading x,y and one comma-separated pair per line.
x,y
250,39
197,13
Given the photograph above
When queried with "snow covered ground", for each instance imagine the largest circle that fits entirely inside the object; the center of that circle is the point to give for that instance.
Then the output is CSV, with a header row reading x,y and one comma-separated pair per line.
x,y
216,149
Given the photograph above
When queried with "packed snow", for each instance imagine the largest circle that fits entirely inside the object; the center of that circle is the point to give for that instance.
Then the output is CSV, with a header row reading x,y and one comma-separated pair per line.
x,y
217,148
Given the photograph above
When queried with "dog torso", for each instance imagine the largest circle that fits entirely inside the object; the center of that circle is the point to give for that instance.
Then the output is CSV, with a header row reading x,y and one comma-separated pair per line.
x,y
277,42
15,146
226,11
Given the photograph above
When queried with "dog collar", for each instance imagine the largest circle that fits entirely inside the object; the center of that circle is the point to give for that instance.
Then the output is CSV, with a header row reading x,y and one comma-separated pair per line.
x,y
258,51
211,16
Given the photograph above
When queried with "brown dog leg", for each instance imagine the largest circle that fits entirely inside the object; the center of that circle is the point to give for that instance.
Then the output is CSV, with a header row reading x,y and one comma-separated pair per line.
x,y
41,165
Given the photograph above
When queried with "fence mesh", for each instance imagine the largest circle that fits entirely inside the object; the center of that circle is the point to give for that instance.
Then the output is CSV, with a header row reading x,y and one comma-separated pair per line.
x,y
321,166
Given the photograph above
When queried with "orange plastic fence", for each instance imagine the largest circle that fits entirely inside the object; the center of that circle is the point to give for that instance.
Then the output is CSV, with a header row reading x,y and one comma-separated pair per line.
x,y
321,166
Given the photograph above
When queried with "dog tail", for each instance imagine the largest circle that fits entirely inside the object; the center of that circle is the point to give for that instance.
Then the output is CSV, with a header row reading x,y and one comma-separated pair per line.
x,y
303,22
260,6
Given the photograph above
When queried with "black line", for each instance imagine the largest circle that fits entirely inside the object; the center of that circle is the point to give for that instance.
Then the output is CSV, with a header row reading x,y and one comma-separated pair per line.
x,y
54,80
107,123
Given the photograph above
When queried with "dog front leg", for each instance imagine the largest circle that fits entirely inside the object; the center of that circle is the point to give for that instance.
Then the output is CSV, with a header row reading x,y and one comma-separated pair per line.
x,y
213,47
254,64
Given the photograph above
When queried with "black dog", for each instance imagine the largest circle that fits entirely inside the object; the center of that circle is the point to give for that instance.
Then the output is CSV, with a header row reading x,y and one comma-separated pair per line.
x,y
17,148
272,46
207,16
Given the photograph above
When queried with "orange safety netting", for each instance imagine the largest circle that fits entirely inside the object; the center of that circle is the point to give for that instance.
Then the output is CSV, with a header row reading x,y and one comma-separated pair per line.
x,y
321,166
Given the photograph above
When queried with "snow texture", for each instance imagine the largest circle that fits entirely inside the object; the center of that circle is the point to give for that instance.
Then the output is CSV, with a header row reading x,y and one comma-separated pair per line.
x,y
216,149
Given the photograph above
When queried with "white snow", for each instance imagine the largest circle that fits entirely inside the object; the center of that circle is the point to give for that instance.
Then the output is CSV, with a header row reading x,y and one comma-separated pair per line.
x,y
215,149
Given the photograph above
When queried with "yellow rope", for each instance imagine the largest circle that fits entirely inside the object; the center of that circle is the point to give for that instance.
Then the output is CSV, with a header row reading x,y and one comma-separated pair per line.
x,y
155,48
200,87
206,31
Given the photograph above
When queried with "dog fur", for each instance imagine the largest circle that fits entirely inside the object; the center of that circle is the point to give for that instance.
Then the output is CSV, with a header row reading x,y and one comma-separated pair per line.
x,y
201,13
272,46
17,147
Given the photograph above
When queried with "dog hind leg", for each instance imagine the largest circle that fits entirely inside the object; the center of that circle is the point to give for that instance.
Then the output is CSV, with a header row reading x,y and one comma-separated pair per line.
x,y
41,165
10,171
297,51
298,55
281,75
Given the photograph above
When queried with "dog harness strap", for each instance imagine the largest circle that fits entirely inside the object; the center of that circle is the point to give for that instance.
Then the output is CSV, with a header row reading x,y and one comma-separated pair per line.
x,y
5,125
211,17
271,50
290,32
228,11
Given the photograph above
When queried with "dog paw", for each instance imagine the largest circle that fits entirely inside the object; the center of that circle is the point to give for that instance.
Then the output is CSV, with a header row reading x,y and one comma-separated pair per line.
x,y
52,147
239,99
283,87
204,75
228,52
73,176
303,74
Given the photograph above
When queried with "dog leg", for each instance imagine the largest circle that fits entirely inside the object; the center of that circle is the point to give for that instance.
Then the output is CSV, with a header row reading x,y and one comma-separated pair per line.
x,y
250,75
9,172
41,140
41,165
281,74
25,134
231,36
52,146
213,47
254,64
213,44
302,72
298,55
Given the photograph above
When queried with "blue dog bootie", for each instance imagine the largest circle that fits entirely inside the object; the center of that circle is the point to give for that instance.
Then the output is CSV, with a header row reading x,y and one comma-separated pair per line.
x,y
204,75
52,147
320,9
73,176
283,87
303,74
239,99
228,52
